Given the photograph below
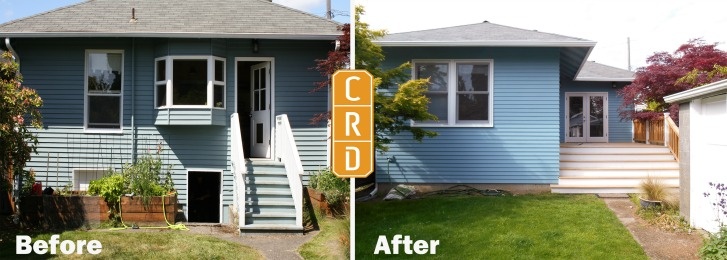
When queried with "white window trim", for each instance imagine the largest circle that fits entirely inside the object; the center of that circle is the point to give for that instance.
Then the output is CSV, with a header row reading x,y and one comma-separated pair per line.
x,y
86,128
452,94
211,82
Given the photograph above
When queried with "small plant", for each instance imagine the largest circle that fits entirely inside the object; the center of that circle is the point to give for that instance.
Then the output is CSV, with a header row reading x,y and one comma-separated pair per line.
x,y
715,247
144,180
654,190
335,189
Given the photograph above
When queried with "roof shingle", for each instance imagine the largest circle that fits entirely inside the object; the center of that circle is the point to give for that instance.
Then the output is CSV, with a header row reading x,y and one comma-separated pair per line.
x,y
592,71
179,18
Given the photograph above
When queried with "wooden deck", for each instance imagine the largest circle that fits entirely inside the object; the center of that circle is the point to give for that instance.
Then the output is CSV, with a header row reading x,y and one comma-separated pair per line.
x,y
613,167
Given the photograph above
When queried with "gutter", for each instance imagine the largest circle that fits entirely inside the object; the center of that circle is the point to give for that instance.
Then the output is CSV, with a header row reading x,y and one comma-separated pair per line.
x,y
282,36
710,89
12,51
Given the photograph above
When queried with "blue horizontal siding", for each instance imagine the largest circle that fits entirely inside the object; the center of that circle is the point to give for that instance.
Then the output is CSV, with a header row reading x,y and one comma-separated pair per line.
x,y
619,131
55,68
521,148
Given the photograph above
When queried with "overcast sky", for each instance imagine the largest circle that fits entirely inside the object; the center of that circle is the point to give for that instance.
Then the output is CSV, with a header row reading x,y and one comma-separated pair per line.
x,y
652,25
14,9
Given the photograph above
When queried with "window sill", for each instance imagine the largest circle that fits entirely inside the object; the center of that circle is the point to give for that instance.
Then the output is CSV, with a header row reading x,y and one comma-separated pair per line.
x,y
190,116
102,131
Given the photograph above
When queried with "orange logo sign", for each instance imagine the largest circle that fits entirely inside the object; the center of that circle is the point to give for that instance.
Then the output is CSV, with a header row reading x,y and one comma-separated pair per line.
x,y
353,124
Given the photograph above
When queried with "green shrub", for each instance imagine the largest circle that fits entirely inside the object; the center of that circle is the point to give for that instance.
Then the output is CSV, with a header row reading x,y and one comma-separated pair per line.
x,y
111,186
335,189
144,180
715,247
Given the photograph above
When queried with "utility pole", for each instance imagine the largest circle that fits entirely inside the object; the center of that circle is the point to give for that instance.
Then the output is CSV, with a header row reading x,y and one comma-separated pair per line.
x,y
628,50
329,15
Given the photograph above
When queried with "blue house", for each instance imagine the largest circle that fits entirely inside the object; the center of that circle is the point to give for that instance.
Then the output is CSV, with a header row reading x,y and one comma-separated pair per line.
x,y
220,89
507,100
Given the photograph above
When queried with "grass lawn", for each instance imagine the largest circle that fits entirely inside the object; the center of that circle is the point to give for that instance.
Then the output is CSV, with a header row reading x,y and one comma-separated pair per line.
x,y
147,245
329,243
511,227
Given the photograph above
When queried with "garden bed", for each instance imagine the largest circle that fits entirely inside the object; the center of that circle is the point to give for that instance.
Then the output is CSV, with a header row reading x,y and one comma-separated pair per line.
x,y
71,212
319,201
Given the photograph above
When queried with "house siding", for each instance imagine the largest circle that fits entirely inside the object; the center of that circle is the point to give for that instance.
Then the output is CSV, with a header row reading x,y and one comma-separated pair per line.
x,y
619,131
521,148
55,68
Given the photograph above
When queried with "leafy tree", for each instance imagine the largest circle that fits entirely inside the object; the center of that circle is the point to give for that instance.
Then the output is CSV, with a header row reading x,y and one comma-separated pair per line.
x,y
18,104
693,64
395,103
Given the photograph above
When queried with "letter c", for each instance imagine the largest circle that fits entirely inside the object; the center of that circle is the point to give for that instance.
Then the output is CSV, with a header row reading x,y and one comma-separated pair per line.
x,y
348,88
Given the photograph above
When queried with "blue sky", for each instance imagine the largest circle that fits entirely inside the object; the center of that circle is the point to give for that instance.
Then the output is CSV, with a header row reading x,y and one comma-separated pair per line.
x,y
14,9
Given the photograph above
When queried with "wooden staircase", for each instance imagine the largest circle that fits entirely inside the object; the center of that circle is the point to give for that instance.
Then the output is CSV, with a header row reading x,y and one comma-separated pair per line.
x,y
613,167
269,204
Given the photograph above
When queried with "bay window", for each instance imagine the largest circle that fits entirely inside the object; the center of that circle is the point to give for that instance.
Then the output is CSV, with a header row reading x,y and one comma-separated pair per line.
x,y
460,91
189,81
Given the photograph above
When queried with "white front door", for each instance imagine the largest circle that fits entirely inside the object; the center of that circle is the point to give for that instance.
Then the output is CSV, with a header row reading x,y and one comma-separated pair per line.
x,y
260,110
586,117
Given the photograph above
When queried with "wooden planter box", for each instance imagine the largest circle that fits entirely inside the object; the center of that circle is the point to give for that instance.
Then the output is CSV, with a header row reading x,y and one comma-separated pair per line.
x,y
71,212
134,211
318,201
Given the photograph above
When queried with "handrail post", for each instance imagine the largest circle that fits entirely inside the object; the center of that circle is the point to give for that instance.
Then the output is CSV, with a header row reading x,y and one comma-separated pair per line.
x,y
287,152
239,169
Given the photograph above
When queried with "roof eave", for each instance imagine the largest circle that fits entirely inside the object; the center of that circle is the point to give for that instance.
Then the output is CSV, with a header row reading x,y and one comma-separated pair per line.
x,y
711,88
170,35
486,43
604,79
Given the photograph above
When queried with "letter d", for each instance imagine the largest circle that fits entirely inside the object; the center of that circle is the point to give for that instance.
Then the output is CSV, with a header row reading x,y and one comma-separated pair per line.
x,y
356,160
22,245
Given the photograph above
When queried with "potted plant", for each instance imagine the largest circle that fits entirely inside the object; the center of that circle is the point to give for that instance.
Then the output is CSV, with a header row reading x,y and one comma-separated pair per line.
x,y
329,193
653,192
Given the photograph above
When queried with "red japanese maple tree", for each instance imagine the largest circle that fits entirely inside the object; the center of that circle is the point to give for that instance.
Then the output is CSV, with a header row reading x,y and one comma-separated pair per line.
x,y
693,64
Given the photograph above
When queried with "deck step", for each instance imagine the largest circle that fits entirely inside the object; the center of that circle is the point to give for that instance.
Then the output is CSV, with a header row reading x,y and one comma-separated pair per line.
x,y
614,168
270,227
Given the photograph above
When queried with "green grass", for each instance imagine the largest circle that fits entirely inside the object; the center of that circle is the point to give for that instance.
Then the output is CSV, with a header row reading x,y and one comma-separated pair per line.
x,y
147,245
331,242
510,227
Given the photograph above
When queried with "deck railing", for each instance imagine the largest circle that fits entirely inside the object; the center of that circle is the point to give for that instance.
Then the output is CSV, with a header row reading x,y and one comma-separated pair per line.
x,y
239,169
662,132
640,130
287,152
656,131
672,141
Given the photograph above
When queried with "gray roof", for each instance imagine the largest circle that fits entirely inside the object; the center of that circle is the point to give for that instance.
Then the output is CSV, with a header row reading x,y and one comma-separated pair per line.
x,y
573,51
174,18
592,71
481,34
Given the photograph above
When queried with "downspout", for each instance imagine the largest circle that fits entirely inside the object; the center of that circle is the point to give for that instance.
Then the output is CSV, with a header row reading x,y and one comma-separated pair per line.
x,y
133,101
12,51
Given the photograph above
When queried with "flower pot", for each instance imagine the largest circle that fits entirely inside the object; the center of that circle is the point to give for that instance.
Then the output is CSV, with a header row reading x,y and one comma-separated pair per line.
x,y
649,203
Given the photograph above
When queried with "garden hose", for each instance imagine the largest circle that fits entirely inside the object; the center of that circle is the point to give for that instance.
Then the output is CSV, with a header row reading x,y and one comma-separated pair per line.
x,y
179,226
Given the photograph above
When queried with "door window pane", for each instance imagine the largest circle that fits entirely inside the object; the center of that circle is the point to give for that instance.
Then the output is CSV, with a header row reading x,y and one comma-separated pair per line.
x,y
596,116
575,116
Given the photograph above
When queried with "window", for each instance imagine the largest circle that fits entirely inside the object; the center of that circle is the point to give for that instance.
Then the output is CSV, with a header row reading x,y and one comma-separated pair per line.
x,y
83,177
104,90
460,91
190,81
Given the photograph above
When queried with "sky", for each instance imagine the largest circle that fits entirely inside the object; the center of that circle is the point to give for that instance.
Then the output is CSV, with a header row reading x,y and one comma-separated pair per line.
x,y
652,25
14,9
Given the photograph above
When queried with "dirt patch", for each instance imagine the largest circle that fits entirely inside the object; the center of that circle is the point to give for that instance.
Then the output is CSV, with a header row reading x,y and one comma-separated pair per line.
x,y
657,243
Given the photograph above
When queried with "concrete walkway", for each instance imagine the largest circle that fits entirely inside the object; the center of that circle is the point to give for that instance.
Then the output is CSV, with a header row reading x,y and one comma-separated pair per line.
x,y
271,246
657,243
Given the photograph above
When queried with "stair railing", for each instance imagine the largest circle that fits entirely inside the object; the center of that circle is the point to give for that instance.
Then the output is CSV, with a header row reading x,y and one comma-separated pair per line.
x,y
672,137
239,168
287,152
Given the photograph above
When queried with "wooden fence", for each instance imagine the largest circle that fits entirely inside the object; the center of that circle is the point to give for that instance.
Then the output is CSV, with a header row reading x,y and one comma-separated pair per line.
x,y
654,132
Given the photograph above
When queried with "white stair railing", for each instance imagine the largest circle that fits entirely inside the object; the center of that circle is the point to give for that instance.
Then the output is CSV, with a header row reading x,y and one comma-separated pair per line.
x,y
239,168
287,152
